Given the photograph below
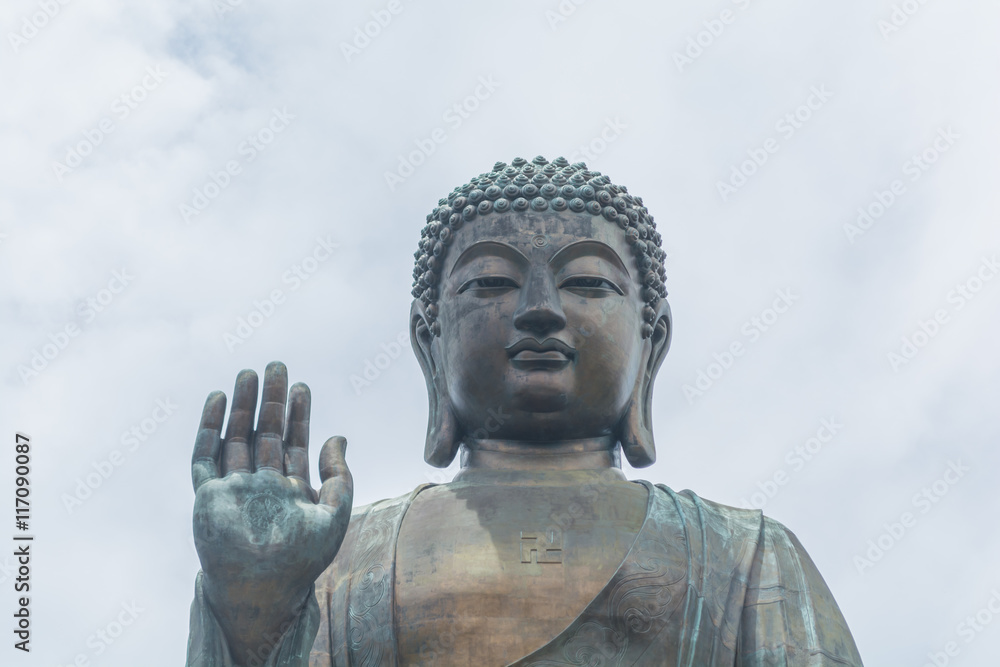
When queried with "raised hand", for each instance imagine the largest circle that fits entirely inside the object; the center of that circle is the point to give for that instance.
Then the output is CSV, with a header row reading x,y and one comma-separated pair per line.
x,y
262,533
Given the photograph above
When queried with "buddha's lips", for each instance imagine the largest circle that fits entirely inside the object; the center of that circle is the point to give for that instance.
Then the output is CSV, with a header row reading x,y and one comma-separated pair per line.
x,y
550,354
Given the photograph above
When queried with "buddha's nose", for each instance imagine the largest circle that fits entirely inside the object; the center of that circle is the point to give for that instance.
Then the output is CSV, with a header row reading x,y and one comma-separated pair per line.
x,y
540,311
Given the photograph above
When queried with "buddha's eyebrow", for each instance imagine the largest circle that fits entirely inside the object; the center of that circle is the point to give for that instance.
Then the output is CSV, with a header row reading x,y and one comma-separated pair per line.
x,y
481,248
587,247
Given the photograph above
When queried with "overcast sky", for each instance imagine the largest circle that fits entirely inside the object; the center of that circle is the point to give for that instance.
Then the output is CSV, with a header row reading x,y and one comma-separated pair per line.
x,y
168,166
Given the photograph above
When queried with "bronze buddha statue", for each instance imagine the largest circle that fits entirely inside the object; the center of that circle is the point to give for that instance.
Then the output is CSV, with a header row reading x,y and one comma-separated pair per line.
x,y
539,320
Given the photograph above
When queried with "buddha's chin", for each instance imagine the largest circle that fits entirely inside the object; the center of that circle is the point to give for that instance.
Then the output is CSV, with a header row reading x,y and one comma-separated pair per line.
x,y
541,393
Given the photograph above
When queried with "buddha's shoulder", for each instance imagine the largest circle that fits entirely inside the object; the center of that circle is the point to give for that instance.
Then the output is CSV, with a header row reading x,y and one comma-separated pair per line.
x,y
723,522
733,524
696,508
386,506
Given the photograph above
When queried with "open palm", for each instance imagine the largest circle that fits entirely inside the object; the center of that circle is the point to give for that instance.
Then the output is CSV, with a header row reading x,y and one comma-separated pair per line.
x,y
262,532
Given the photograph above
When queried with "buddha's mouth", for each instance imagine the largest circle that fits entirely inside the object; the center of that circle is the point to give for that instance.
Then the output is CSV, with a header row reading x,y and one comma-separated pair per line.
x,y
548,355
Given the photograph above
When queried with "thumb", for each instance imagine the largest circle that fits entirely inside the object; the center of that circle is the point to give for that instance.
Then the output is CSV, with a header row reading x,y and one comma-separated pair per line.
x,y
337,488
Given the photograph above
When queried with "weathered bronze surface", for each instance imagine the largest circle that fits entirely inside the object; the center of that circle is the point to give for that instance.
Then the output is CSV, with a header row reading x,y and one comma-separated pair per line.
x,y
540,323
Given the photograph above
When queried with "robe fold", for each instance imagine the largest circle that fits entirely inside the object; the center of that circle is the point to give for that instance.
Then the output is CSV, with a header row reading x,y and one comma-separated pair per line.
x,y
703,585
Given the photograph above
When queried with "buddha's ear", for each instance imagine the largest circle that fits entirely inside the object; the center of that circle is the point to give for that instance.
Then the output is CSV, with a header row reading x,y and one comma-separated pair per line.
x,y
635,431
443,436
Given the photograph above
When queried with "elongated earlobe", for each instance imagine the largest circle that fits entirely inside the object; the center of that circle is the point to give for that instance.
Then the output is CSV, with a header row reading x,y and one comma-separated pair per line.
x,y
635,431
443,437
443,434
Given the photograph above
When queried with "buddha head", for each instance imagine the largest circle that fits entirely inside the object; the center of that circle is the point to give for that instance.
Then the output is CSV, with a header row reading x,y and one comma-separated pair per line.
x,y
539,312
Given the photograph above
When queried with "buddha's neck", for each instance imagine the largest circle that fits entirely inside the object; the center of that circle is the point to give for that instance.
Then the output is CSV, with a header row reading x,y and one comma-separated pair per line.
x,y
490,458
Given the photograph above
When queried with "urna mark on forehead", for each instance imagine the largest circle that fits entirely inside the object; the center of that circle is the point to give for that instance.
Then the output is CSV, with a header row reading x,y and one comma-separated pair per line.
x,y
540,186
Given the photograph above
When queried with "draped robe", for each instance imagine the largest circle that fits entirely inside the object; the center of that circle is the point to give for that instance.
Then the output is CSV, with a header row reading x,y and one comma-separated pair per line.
x,y
703,585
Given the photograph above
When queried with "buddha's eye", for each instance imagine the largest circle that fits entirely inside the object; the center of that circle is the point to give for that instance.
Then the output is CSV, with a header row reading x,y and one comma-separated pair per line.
x,y
590,285
488,284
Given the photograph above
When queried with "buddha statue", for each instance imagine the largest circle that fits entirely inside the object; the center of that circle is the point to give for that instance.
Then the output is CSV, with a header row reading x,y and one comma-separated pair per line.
x,y
539,321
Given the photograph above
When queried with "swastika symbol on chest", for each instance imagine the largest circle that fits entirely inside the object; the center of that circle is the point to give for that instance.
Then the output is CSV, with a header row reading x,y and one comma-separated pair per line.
x,y
541,546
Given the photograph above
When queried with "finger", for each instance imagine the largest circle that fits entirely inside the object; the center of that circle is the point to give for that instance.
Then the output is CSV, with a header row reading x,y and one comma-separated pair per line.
x,y
338,485
207,444
236,448
297,432
267,449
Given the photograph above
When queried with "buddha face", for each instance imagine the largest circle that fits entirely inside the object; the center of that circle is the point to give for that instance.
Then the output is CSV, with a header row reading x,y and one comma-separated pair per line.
x,y
540,327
